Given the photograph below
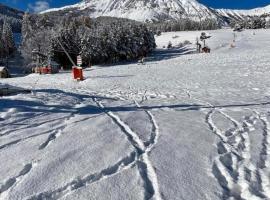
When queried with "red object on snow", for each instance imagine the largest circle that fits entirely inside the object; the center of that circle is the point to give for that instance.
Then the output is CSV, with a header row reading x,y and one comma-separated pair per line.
x,y
77,73
47,70
44,70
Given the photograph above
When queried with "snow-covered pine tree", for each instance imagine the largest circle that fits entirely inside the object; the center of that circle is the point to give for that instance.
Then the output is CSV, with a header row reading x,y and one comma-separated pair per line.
x,y
101,40
1,45
267,23
8,39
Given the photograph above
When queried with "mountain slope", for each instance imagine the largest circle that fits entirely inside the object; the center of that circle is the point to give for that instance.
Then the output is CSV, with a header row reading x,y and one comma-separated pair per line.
x,y
142,10
158,10
13,16
242,13
229,15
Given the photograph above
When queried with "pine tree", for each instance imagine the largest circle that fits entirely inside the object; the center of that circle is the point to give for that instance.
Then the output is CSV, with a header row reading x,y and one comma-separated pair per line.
x,y
267,24
8,39
1,45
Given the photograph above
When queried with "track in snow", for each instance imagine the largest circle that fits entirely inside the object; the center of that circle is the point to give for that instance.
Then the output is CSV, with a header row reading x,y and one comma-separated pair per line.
x,y
56,133
144,164
78,183
233,169
138,158
11,182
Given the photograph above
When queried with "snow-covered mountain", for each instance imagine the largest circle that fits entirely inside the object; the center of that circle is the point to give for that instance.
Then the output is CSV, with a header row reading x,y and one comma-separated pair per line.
x,y
230,14
157,10
143,10
241,13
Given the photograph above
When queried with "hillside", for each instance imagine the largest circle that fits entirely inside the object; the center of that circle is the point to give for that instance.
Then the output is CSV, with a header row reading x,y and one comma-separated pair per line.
x,y
243,13
13,16
142,10
157,10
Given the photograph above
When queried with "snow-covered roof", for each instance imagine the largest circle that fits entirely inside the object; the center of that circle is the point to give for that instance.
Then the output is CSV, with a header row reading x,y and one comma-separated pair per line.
x,y
2,68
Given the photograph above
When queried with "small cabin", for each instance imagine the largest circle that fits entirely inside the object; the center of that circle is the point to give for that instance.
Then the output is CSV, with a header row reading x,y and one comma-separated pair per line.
x,y
4,72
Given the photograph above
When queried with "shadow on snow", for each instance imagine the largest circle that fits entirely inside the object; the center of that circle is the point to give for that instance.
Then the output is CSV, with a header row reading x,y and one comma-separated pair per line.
x,y
86,109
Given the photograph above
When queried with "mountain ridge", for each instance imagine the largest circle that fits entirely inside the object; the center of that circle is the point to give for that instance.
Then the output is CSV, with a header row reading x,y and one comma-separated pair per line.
x,y
157,10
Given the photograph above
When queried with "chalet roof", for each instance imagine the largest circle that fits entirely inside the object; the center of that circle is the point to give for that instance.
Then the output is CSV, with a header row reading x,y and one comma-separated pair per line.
x,y
2,68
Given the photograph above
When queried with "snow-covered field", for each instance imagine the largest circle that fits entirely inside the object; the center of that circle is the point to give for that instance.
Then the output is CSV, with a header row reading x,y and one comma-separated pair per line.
x,y
182,126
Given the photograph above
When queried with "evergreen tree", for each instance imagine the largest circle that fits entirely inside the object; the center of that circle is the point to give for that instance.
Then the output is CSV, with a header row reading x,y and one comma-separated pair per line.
x,y
267,23
101,40
2,47
8,39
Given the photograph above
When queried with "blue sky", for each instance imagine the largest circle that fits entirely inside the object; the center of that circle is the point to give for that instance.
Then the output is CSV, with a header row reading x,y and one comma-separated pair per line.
x,y
39,5
239,4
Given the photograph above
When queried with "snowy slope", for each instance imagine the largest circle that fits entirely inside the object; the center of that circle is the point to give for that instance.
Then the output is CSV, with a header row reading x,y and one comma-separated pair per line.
x,y
156,10
192,126
241,13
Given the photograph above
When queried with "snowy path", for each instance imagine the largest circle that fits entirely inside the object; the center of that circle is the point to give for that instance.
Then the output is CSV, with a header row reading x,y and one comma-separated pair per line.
x,y
192,126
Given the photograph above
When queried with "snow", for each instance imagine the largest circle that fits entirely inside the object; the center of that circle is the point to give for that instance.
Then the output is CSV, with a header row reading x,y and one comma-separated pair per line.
x,y
157,10
182,126
142,10
251,12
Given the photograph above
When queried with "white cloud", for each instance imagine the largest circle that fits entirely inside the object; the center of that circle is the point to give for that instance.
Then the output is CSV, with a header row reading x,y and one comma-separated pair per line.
x,y
39,6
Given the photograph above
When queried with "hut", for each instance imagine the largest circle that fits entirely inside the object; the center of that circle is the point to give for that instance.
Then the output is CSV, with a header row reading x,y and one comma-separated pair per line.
x,y
4,72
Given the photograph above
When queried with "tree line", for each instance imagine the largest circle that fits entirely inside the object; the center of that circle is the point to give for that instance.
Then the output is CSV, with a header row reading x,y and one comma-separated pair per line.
x,y
254,22
185,24
100,40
